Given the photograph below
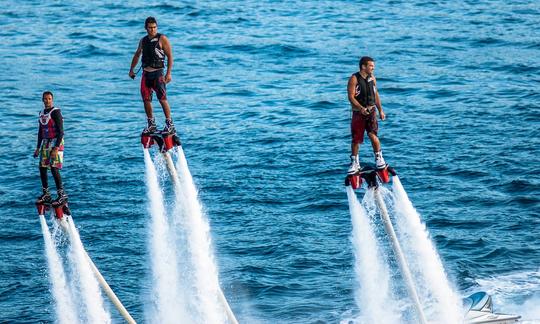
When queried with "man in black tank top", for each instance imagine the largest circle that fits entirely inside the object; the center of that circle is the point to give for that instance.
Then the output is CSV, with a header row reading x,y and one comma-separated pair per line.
x,y
364,98
154,47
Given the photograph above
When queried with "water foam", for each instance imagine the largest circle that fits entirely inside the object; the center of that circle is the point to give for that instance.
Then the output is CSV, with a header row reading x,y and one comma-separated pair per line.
x,y
504,289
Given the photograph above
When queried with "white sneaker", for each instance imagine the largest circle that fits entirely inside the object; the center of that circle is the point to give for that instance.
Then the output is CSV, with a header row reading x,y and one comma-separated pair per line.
x,y
354,166
379,160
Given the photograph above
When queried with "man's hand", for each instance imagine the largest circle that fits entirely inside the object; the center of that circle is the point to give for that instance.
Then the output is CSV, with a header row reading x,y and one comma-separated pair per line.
x,y
168,77
36,153
382,115
54,153
131,74
367,110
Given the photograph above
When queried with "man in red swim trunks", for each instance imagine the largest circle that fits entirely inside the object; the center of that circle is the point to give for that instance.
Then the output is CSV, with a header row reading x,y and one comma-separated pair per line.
x,y
364,98
154,47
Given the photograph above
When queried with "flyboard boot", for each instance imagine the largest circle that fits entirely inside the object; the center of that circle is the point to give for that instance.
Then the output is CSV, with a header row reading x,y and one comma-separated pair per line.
x,y
60,205
354,167
382,167
151,127
353,178
169,127
43,202
45,197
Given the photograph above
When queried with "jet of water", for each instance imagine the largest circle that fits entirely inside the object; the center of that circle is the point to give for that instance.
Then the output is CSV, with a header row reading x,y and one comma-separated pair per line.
x,y
373,294
65,310
424,261
213,306
169,302
90,292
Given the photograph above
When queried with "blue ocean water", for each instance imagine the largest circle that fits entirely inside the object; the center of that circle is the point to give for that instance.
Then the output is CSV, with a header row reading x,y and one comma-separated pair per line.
x,y
259,98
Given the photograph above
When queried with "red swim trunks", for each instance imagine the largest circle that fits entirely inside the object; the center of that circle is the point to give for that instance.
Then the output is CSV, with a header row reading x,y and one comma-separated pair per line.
x,y
153,81
361,123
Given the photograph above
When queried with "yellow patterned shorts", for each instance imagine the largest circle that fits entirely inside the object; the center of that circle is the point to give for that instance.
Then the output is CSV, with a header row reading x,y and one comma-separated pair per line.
x,y
45,154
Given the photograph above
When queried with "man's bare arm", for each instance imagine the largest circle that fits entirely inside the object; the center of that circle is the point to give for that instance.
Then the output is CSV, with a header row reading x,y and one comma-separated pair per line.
x,y
167,49
135,60
378,100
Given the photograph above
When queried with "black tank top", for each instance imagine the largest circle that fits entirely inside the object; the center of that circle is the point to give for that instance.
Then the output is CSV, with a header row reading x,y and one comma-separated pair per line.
x,y
152,54
365,90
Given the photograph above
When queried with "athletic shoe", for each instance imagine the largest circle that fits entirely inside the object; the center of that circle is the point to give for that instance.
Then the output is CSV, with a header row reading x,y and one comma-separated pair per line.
x,y
354,166
379,160
45,198
151,128
62,197
169,127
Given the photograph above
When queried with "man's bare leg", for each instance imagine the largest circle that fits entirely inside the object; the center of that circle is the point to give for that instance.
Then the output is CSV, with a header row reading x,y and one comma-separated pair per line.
x,y
151,122
148,109
376,144
355,164
166,108
169,126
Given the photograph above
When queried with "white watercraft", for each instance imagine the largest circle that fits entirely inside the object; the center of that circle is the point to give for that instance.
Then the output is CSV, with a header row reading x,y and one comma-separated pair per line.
x,y
479,308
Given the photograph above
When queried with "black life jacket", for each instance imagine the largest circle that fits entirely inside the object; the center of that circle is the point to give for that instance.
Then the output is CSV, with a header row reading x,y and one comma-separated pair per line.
x,y
152,54
365,90
47,126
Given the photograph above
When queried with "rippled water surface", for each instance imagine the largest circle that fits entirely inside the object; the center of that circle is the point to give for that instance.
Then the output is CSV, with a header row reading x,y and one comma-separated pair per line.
x,y
259,99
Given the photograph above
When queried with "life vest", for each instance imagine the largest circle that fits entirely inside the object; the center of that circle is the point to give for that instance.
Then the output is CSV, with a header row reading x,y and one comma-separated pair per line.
x,y
365,90
47,126
152,54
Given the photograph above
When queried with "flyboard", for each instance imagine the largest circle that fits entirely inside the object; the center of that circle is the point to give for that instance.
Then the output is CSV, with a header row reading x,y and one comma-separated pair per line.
x,y
478,307
62,215
165,142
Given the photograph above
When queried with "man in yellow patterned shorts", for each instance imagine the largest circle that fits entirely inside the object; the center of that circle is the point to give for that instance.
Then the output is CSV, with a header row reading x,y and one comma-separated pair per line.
x,y
50,148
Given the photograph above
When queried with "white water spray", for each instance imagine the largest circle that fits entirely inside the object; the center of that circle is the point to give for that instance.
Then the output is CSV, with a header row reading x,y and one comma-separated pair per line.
x,y
65,310
373,296
90,292
424,261
169,305
212,305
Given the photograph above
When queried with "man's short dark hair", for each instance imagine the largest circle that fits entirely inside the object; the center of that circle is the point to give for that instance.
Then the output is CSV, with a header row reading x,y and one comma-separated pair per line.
x,y
46,93
149,20
364,60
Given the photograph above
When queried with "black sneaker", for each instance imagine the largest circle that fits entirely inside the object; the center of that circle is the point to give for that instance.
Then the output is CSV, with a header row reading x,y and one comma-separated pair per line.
x,y
169,127
45,198
151,128
62,197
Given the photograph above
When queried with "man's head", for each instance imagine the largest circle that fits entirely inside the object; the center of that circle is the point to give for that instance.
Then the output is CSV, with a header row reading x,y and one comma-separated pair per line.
x,y
150,24
47,98
367,64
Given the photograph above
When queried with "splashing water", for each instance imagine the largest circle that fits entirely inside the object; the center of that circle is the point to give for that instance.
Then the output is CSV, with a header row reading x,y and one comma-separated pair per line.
x,y
503,288
431,279
212,305
65,310
90,292
169,305
372,295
